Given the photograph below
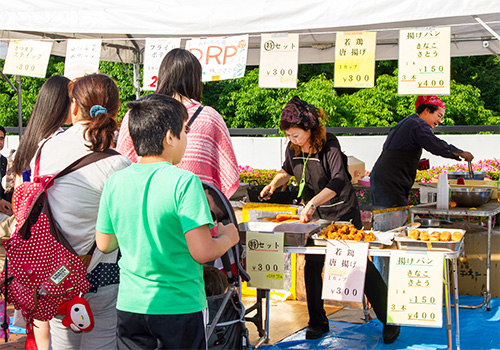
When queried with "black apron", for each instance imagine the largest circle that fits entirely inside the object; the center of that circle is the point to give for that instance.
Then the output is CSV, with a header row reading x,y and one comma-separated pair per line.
x,y
393,175
342,207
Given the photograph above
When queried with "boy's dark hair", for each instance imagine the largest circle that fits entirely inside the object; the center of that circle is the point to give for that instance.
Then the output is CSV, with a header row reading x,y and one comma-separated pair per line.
x,y
149,120
216,282
2,129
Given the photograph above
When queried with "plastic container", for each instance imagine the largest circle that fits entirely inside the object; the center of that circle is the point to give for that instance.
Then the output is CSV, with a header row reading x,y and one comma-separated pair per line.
x,y
443,192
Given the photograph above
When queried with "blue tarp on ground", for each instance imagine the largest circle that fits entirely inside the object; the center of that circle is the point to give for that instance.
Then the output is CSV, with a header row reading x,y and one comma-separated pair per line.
x,y
479,330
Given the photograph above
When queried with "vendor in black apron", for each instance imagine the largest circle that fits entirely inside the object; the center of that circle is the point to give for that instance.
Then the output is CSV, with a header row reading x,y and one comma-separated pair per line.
x,y
394,172
315,159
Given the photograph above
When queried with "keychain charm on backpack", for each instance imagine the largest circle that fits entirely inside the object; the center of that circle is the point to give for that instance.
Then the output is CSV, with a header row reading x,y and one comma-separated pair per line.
x,y
78,315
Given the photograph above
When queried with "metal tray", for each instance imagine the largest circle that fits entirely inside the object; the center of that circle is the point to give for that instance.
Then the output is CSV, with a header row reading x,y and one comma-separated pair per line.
x,y
296,234
404,242
322,242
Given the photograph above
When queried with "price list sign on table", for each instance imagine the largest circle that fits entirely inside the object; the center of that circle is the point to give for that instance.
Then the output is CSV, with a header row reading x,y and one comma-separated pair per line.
x,y
424,61
265,260
345,269
416,289
355,59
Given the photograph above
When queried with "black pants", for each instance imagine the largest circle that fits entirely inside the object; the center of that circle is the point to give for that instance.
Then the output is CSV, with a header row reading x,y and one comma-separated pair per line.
x,y
375,290
138,331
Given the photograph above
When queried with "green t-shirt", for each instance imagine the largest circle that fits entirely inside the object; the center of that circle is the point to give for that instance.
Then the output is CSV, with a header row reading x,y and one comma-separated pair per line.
x,y
149,207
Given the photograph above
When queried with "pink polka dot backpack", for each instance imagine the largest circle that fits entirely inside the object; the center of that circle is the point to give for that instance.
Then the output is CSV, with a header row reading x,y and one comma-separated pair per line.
x,y
42,268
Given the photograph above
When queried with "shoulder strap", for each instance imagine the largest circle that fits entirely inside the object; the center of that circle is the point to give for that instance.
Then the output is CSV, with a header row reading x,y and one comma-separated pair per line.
x,y
193,117
86,160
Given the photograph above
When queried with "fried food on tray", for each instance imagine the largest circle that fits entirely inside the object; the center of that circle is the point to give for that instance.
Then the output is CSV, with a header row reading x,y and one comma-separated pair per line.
x,y
456,236
283,218
434,236
414,234
445,236
346,232
424,236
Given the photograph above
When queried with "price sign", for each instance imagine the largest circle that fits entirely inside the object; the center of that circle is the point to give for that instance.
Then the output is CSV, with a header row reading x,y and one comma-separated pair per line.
x,y
424,61
355,59
279,61
154,52
27,57
416,288
265,260
221,57
345,269
82,57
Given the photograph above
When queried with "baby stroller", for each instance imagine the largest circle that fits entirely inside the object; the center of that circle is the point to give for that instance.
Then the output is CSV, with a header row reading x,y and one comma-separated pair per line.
x,y
226,328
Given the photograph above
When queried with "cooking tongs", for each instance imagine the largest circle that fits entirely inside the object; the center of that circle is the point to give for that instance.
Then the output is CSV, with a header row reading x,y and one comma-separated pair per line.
x,y
471,172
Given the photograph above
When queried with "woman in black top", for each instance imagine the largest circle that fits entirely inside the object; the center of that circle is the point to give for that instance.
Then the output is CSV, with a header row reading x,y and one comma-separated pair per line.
x,y
315,158
394,172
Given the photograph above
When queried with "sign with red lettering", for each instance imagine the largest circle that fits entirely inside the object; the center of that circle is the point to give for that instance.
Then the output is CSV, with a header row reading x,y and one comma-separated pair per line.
x,y
154,52
221,57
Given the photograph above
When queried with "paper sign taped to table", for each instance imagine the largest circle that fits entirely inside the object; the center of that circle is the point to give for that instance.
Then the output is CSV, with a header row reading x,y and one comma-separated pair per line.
x,y
416,288
28,57
345,269
265,259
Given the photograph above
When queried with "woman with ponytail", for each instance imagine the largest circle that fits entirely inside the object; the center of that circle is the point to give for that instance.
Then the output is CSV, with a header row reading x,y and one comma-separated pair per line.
x,y
74,199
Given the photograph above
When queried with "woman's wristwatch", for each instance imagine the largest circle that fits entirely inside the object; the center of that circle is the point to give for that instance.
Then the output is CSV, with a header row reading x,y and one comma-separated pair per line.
x,y
311,204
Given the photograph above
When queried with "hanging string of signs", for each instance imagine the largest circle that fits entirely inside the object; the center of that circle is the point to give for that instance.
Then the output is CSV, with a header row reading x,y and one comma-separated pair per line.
x,y
424,59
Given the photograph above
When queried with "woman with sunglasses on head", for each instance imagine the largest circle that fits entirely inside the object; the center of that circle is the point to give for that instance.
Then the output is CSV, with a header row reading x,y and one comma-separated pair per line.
x,y
394,172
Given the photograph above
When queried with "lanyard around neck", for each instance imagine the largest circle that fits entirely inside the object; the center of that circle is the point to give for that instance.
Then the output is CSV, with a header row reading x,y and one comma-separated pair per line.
x,y
302,183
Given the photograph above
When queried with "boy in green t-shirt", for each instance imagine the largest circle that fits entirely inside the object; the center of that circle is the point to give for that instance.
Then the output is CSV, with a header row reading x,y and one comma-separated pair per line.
x,y
159,217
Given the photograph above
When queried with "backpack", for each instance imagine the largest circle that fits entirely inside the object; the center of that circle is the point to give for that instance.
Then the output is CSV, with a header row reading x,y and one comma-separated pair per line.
x,y
42,268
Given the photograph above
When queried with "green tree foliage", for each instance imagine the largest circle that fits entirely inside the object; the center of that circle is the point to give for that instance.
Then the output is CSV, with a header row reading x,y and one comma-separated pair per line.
x,y
474,99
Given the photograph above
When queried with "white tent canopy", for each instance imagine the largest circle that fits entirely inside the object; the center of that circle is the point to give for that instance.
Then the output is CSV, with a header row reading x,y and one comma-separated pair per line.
x,y
123,25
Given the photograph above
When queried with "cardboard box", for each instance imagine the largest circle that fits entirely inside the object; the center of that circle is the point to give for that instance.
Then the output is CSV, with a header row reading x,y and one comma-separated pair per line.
x,y
356,168
472,267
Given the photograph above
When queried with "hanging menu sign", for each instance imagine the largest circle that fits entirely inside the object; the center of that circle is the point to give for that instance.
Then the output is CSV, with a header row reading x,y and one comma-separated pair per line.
x,y
82,57
265,259
279,61
355,59
28,57
345,269
416,288
154,52
221,57
424,61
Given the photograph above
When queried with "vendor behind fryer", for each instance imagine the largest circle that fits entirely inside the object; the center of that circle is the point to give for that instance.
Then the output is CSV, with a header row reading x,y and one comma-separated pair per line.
x,y
394,172
159,217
